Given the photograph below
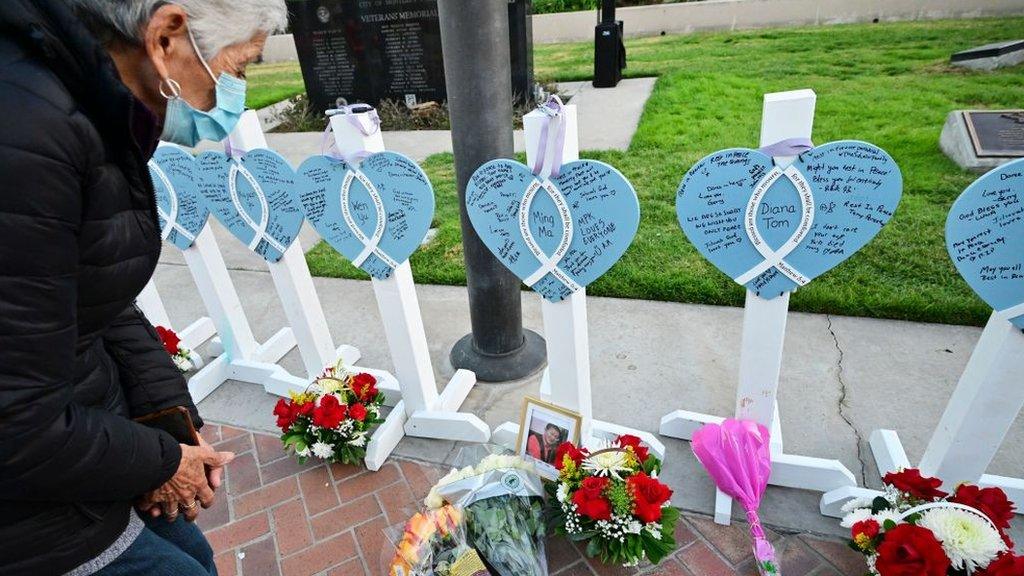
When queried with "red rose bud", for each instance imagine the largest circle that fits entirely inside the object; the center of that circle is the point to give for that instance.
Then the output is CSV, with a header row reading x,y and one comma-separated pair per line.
x,y
1006,564
169,339
285,414
590,500
911,482
329,413
864,532
630,441
909,550
569,449
648,496
357,412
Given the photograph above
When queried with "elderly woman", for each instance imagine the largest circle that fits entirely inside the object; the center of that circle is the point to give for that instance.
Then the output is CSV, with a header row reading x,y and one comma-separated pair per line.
x,y
87,87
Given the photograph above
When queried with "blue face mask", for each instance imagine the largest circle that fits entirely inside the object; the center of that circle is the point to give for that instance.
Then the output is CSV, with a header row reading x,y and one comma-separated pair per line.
x,y
186,126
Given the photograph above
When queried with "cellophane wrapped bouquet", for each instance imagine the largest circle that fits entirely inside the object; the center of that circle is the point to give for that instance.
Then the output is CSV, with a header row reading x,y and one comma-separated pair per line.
x,y
433,543
502,499
611,499
332,418
917,528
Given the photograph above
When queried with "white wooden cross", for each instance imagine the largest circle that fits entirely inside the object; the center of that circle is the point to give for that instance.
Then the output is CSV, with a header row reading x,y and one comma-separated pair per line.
x,y
419,410
298,297
983,407
786,115
239,356
566,380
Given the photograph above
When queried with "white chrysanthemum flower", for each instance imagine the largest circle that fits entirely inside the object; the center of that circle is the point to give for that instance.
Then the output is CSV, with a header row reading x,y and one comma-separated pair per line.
x,y
563,492
322,450
607,464
968,539
856,516
884,515
856,503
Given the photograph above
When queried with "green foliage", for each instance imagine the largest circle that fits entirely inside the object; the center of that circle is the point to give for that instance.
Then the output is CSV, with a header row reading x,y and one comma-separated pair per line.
x,y
508,531
889,84
618,495
879,504
549,6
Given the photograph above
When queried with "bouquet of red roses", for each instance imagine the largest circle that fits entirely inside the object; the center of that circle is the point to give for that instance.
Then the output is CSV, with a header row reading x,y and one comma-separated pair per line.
x,y
183,358
332,418
916,528
612,499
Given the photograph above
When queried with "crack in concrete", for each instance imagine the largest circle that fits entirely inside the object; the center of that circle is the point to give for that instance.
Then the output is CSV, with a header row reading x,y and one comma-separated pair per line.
x,y
842,404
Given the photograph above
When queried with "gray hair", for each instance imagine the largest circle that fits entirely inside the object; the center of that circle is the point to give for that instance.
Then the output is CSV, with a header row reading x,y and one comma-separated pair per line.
x,y
215,24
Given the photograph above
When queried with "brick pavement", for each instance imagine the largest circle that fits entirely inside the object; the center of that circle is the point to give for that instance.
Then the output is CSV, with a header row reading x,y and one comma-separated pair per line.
x,y
284,519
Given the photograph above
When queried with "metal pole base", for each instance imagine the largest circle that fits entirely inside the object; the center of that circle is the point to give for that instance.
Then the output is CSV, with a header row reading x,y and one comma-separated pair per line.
x,y
519,363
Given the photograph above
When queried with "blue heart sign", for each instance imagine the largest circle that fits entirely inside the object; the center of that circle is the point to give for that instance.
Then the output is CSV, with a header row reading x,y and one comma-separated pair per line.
x,y
774,228
985,239
252,197
180,208
559,234
375,213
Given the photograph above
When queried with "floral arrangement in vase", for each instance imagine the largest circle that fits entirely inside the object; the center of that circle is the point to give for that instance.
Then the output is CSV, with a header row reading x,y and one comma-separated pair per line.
x,y
611,499
182,356
915,528
332,418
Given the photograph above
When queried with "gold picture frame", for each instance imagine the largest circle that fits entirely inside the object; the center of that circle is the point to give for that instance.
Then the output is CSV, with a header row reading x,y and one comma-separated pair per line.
x,y
548,414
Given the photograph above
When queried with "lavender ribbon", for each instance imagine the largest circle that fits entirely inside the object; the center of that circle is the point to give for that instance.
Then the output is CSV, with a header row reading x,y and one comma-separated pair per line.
x,y
328,145
788,147
553,109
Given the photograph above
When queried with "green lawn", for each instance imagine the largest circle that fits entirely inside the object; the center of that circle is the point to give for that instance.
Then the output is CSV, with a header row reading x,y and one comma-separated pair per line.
x,y
270,83
884,83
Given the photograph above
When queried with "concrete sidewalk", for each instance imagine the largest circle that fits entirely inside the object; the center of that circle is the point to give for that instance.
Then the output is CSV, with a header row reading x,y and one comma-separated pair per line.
x,y
842,377
607,118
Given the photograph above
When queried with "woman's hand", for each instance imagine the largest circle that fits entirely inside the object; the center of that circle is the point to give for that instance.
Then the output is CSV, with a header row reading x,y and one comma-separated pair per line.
x,y
189,485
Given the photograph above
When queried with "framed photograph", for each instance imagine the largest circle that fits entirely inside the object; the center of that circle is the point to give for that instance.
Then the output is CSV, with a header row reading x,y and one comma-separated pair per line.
x,y
542,429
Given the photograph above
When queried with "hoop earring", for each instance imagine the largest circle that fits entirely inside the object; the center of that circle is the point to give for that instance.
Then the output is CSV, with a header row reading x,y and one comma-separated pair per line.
x,y
172,85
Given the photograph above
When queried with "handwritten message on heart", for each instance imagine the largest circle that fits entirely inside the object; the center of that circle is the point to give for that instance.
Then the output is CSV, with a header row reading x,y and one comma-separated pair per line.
x,y
252,197
985,239
557,235
773,229
376,214
179,206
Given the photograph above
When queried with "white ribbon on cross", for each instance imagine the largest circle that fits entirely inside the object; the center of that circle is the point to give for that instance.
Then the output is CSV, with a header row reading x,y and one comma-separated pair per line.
x,y
371,245
261,228
548,264
170,219
776,258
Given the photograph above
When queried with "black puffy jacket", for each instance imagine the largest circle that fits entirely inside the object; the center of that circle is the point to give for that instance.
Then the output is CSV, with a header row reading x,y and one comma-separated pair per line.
x,y
78,241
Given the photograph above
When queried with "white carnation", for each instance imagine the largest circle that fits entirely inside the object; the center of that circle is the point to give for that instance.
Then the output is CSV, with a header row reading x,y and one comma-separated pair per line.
x,y
856,516
563,492
182,362
968,539
433,500
322,450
